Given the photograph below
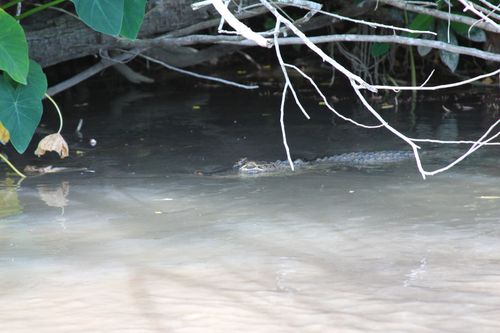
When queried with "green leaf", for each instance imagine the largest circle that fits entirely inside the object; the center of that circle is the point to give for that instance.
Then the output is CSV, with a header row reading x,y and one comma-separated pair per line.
x,y
380,49
13,48
105,16
21,106
475,34
449,59
421,22
133,14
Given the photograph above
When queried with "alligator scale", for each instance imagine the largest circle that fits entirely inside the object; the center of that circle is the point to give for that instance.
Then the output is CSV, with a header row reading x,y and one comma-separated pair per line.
x,y
355,159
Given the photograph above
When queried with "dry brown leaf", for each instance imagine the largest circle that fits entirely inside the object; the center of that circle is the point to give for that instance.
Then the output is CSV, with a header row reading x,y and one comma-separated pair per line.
x,y
53,142
4,134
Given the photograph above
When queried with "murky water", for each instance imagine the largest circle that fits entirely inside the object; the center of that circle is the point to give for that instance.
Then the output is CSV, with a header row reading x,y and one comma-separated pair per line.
x,y
144,244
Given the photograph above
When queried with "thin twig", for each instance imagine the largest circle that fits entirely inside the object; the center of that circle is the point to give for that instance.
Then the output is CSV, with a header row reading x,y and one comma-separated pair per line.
x,y
438,87
315,48
325,100
439,14
285,73
478,144
283,130
200,76
58,112
459,142
13,168
414,147
468,6
376,25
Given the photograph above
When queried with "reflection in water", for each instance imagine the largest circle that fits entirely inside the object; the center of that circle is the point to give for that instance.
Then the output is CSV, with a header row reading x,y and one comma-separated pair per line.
x,y
145,245
54,196
9,201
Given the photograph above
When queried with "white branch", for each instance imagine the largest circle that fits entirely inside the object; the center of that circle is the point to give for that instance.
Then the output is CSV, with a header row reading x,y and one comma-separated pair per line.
x,y
233,40
442,86
241,28
357,84
404,5
304,4
459,142
325,100
469,6
415,148
475,146
283,70
376,25
200,76
283,130
487,4
315,48
489,12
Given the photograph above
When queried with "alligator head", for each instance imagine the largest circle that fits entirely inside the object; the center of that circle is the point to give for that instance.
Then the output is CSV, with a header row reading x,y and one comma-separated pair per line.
x,y
251,167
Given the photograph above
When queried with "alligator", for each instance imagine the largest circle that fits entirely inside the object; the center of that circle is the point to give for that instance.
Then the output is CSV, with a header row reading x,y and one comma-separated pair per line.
x,y
247,167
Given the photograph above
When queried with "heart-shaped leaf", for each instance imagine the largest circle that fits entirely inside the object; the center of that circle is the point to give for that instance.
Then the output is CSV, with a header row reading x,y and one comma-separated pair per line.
x,y
133,14
13,48
105,16
464,30
420,22
449,59
21,106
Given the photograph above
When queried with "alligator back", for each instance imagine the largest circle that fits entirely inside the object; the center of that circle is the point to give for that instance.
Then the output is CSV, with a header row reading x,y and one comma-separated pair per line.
x,y
368,158
354,159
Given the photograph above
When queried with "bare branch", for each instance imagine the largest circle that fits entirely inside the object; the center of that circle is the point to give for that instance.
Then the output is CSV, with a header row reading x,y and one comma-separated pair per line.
x,y
468,6
459,142
234,40
440,14
284,71
241,28
89,72
282,123
200,76
442,86
325,100
488,12
376,25
358,84
315,48
482,141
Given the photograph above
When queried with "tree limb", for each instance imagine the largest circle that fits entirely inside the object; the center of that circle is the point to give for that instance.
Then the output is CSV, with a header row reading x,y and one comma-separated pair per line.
x,y
235,40
441,15
91,71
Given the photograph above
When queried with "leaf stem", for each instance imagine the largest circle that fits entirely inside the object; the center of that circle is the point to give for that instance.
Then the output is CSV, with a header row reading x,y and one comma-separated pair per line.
x,y
10,4
19,173
38,9
58,112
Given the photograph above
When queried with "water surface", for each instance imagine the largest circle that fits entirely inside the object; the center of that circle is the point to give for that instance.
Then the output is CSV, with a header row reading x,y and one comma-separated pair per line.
x,y
146,244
